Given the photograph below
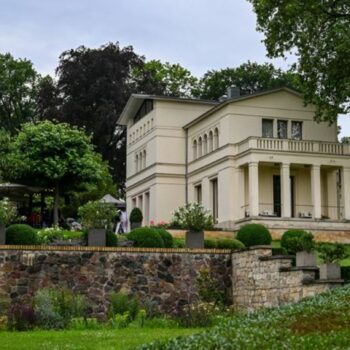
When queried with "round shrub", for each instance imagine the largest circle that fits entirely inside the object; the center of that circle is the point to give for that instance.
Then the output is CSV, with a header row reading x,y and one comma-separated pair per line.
x,y
21,234
111,239
229,244
297,240
136,215
209,244
146,237
254,234
166,237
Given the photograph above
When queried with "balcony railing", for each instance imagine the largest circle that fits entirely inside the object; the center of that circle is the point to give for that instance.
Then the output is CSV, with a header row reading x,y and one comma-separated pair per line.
x,y
271,144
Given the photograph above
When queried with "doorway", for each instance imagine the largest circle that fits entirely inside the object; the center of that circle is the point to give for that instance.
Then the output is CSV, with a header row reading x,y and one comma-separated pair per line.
x,y
277,201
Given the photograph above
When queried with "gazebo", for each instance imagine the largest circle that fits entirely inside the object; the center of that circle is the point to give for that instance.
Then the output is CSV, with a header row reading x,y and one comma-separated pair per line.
x,y
109,199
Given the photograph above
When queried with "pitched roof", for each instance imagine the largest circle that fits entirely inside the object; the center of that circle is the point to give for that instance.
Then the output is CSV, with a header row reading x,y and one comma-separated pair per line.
x,y
237,99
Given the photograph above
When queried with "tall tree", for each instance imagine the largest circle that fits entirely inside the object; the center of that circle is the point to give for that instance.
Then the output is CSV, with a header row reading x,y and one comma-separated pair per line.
x,y
55,156
318,31
249,77
92,87
18,88
165,78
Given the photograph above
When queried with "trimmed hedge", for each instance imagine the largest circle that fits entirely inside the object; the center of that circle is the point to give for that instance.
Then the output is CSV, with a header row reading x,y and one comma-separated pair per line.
x,y
111,239
21,234
297,240
209,244
254,234
145,237
229,244
136,215
166,237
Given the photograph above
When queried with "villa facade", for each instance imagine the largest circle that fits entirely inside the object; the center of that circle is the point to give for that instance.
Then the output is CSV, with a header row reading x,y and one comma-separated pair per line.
x,y
258,157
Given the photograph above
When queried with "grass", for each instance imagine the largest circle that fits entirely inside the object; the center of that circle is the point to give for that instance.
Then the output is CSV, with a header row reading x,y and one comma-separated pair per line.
x,y
121,339
321,323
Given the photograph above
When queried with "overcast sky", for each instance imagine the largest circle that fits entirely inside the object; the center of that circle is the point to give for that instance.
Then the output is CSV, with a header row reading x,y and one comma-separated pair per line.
x,y
198,34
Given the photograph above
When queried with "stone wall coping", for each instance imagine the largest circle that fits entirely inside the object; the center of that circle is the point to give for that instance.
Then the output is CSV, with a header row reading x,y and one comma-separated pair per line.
x,y
298,268
113,249
341,281
255,247
277,257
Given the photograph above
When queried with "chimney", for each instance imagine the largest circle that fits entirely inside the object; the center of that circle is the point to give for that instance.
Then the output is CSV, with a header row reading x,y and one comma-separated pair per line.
x,y
233,92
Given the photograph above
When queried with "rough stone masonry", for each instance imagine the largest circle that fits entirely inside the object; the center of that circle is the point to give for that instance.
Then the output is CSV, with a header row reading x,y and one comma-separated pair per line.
x,y
166,277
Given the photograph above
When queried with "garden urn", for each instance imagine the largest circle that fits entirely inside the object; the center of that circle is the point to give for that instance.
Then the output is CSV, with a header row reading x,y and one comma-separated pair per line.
x,y
195,239
330,271
305,258
97,237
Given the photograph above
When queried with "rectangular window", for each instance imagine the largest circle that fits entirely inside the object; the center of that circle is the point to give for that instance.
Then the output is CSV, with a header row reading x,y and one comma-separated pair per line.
x,y
282,127
297,131
267,128
215,203
198,193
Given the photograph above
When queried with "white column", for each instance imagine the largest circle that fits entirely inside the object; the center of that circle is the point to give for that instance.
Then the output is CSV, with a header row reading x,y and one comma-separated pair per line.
x,y
316,191
239,193
226,195
332,193
254,189
206,193
346,192
285,190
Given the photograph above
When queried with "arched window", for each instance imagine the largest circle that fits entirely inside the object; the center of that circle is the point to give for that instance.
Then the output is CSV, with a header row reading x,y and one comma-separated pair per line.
x,y
210,141
195,149
200,145
216,138
136,163
144,159
205,144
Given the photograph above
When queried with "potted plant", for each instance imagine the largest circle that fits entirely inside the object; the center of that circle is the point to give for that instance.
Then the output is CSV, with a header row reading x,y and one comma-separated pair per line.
x,y
195,219
136,218
300,243
8,213
331,255
97,217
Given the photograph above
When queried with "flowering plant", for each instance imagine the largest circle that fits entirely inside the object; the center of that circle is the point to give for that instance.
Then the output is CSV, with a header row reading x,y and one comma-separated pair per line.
x,y
8,211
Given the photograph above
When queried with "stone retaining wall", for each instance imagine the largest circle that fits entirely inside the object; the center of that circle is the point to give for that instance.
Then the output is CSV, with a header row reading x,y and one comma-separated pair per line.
x,y
167,277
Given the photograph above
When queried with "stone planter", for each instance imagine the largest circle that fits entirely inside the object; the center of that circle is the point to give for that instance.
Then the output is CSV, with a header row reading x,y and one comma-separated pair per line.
x,y
194,239
2,234
330,272
305,259
97,237
134,225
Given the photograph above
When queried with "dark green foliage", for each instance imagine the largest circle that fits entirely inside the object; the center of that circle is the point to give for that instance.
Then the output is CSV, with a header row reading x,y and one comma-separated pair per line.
x,y
210,244
111,239
345,273
136,215
332,253
229,244
121,303
166,237
146,237
179,243
254,234
21,234
279,251
297,240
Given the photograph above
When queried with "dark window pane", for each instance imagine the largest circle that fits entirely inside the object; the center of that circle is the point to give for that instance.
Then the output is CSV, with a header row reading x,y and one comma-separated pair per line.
x,y
267,128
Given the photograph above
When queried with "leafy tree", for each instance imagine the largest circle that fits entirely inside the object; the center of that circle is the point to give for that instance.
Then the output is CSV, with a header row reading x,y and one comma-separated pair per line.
x,y
249,77
92,87
165,78
55,156
18,88
319,33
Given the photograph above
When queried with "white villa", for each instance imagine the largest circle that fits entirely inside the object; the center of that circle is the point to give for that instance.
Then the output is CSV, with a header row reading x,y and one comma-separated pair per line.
x,y
258,157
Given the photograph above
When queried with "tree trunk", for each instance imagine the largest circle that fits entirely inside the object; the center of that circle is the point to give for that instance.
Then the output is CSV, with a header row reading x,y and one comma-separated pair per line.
x,y
56,204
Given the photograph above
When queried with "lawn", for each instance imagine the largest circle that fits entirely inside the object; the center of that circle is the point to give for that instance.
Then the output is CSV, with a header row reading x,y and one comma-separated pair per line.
x,y
121,339
321,323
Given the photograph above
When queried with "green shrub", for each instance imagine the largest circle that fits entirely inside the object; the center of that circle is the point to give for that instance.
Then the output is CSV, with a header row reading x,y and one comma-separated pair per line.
x,y
95,214
111,239
332,253
179,243
146,237
48,235
136,215
254,234
21,317
21,234
122,304
192,217
8,211
279,251
166,237
297,240
210,244
229,244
